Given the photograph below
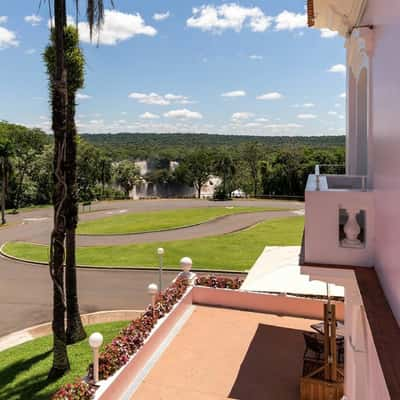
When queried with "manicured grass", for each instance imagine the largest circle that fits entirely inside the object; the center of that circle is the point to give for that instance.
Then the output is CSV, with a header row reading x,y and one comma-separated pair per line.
x,y
235,251
24,368
160,220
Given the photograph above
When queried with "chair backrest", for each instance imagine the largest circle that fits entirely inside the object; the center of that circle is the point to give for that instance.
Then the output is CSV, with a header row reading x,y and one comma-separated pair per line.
x,y
314,342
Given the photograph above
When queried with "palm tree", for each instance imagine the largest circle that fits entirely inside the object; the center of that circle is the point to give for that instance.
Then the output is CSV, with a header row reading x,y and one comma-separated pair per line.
x,y
74,63
64,200
5,167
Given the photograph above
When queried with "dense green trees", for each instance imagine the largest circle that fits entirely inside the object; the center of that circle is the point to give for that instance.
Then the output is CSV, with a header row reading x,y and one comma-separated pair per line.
x,y
126,175
258,169
196,168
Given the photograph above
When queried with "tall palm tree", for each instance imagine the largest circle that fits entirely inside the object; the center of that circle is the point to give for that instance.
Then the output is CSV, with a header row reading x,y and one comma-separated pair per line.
x,y
64,200
74,63
5,167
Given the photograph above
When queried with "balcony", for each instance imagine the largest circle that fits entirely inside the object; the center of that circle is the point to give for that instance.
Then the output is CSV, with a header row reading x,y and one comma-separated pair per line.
x,y
339,226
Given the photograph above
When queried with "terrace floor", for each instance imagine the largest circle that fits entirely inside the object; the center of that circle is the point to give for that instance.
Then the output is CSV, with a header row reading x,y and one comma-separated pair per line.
x,y
229,354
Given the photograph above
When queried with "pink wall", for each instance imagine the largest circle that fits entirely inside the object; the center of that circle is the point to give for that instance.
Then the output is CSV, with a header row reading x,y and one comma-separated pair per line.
x,y
385,141
322,227
263,302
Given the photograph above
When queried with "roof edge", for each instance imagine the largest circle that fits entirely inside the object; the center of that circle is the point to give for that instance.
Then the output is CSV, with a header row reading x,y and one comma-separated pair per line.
x,y
310,13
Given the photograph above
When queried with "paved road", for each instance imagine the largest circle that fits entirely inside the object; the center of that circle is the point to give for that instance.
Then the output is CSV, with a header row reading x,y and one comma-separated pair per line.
x,y
218,226
25,289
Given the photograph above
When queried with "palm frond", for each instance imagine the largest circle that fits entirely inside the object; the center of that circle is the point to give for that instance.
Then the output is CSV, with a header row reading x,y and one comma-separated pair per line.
x,y
95,15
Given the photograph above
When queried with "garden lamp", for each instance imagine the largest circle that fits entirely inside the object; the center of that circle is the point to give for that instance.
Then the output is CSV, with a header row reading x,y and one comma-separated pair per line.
x,y
95,341
160,252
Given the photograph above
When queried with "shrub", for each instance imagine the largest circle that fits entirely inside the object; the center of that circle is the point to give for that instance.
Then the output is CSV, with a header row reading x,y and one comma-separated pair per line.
x,y
117,353
80,390
220,282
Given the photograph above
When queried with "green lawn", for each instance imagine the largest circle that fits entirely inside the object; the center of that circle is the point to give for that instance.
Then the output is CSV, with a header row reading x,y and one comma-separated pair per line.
x,y
234,251
160,220
23,369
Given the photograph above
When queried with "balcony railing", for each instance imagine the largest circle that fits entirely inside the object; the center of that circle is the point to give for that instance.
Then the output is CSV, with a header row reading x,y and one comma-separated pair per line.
x,y
339,226
334,181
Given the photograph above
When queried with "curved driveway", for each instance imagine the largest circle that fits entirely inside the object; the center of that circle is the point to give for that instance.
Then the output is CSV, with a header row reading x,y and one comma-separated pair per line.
x,y
217,226
25,289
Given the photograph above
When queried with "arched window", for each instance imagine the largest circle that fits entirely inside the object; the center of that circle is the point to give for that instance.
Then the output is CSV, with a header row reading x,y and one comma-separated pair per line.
x,y
362,123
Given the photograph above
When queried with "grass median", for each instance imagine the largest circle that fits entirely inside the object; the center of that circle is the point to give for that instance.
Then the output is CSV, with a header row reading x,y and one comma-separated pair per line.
x,y
24,368
161,220
233,251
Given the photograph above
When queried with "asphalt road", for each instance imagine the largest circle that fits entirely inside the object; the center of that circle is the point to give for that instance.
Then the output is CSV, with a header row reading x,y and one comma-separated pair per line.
x,y
25,289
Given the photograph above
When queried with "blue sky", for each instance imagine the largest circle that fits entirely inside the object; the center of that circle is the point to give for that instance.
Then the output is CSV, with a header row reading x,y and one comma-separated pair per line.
x,y
244,67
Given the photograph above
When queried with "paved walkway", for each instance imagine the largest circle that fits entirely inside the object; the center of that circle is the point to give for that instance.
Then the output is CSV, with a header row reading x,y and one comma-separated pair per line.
x,y
25,289
218,226
230,354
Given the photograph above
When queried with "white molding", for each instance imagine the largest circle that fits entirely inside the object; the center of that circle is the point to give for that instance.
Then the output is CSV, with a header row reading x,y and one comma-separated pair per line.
x,y
338,15
360,46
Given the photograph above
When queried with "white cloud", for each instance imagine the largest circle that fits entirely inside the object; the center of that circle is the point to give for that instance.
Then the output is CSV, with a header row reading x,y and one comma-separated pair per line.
x,y
228,16
262,119
242,115
342,95
287,20
117,27
308,105
253,124
161,16
7,38
30,51
149,115
306,116
234,93
151,98
270,96
160,100
33,19
183,114
178,98
255,57
283,126
83,96
338,68
96,121
328,34
332,112
3,19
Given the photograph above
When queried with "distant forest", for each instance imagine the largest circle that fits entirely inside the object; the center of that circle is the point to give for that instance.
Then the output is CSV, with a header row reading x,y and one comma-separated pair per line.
x,y
106,169
175,146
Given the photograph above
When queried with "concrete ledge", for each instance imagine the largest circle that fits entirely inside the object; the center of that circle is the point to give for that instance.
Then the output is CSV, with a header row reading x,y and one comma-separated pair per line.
x,y
37,331
263,302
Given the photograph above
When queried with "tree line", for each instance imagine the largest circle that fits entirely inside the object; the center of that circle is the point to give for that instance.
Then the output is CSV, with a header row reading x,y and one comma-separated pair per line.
x,y
256,168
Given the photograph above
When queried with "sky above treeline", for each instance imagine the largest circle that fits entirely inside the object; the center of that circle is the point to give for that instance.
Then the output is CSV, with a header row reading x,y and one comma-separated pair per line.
x,y
243,67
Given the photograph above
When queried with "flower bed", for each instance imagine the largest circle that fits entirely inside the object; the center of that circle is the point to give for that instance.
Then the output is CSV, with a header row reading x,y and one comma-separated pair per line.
x,y
220,282
117,353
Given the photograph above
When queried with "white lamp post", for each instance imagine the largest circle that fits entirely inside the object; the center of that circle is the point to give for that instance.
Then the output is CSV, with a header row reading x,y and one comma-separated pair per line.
x,y
95,341
152,290
186,265
160,252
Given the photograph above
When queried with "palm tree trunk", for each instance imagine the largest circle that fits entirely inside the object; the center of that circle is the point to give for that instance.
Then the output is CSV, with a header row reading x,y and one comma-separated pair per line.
x,y
3,191
59,115
75,331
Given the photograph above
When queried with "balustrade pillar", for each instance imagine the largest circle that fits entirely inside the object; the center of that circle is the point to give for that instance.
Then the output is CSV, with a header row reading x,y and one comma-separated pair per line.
x,y
352,230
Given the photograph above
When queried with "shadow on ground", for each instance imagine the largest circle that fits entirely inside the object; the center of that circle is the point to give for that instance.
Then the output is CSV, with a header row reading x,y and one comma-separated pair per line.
x,y
272,366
